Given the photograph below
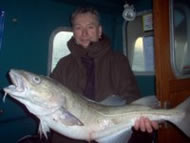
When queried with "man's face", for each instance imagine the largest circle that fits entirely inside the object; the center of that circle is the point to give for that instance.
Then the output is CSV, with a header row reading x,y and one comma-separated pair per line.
x,y
86,29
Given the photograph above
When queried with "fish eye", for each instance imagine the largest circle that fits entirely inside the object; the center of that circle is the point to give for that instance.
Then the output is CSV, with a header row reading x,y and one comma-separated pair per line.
x,y
36,79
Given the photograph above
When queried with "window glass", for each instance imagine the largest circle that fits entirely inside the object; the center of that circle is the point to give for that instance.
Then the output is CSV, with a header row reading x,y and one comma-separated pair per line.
x,y
58,47
143,55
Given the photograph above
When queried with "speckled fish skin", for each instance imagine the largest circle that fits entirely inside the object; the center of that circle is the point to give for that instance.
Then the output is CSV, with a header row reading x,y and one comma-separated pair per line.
x,y
77,117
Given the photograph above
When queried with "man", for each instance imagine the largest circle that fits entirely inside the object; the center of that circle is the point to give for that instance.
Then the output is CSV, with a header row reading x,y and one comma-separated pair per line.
x,y
93,69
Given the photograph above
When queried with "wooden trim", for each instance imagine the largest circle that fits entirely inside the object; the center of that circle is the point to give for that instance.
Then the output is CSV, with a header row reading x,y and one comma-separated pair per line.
x,y
169,89
162,46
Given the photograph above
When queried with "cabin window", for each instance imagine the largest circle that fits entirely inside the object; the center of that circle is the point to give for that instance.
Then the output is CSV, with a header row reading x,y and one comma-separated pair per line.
x,y
139,43
58,46
180,38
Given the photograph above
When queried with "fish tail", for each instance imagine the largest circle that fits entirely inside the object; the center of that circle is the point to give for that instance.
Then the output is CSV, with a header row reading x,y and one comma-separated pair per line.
x,y
184,123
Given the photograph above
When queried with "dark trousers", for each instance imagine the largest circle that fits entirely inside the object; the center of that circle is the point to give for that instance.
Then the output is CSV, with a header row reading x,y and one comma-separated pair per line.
x,y
143,137
136,137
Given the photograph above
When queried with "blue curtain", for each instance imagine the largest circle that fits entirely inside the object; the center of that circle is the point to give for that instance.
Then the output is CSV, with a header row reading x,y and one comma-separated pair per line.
x,y
2,15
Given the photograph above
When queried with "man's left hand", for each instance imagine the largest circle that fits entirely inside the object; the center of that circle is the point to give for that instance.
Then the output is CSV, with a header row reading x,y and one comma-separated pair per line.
x,y
146,125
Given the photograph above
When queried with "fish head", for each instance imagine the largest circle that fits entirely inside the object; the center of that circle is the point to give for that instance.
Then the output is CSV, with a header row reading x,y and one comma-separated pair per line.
x,y
30,88
42,96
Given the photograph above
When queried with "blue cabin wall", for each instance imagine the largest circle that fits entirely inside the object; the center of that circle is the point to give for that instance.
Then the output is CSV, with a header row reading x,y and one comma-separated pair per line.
x,y
28,26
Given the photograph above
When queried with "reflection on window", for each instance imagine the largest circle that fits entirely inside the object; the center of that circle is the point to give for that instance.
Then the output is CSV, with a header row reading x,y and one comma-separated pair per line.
x,y
60,48
138,56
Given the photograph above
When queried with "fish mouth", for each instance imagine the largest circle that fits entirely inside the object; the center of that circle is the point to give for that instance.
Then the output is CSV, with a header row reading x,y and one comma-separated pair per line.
x,y
17,85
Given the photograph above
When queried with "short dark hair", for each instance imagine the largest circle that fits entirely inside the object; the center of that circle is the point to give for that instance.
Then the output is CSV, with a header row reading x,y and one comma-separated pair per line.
x,y
84,10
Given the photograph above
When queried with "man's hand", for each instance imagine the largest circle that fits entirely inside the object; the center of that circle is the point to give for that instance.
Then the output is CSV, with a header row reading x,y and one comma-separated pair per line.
x,y
145,125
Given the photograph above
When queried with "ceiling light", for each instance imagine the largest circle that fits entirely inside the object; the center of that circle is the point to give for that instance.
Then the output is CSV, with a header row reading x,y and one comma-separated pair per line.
x,y
129,12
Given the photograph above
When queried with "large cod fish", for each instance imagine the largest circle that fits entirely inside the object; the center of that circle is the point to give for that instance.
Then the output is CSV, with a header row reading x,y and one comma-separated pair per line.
x,y
77,117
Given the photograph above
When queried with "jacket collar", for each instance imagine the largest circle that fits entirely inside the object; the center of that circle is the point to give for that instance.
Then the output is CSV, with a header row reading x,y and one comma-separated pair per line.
x,y
94,50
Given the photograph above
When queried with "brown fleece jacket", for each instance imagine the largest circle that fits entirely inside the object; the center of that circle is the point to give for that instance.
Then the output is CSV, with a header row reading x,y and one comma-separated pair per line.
x,y
112,73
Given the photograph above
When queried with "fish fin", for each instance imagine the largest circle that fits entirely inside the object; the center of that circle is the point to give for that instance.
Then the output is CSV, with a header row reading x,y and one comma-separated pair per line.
x,y
150,101
185,122
69,119
119,137
43,129
113,100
